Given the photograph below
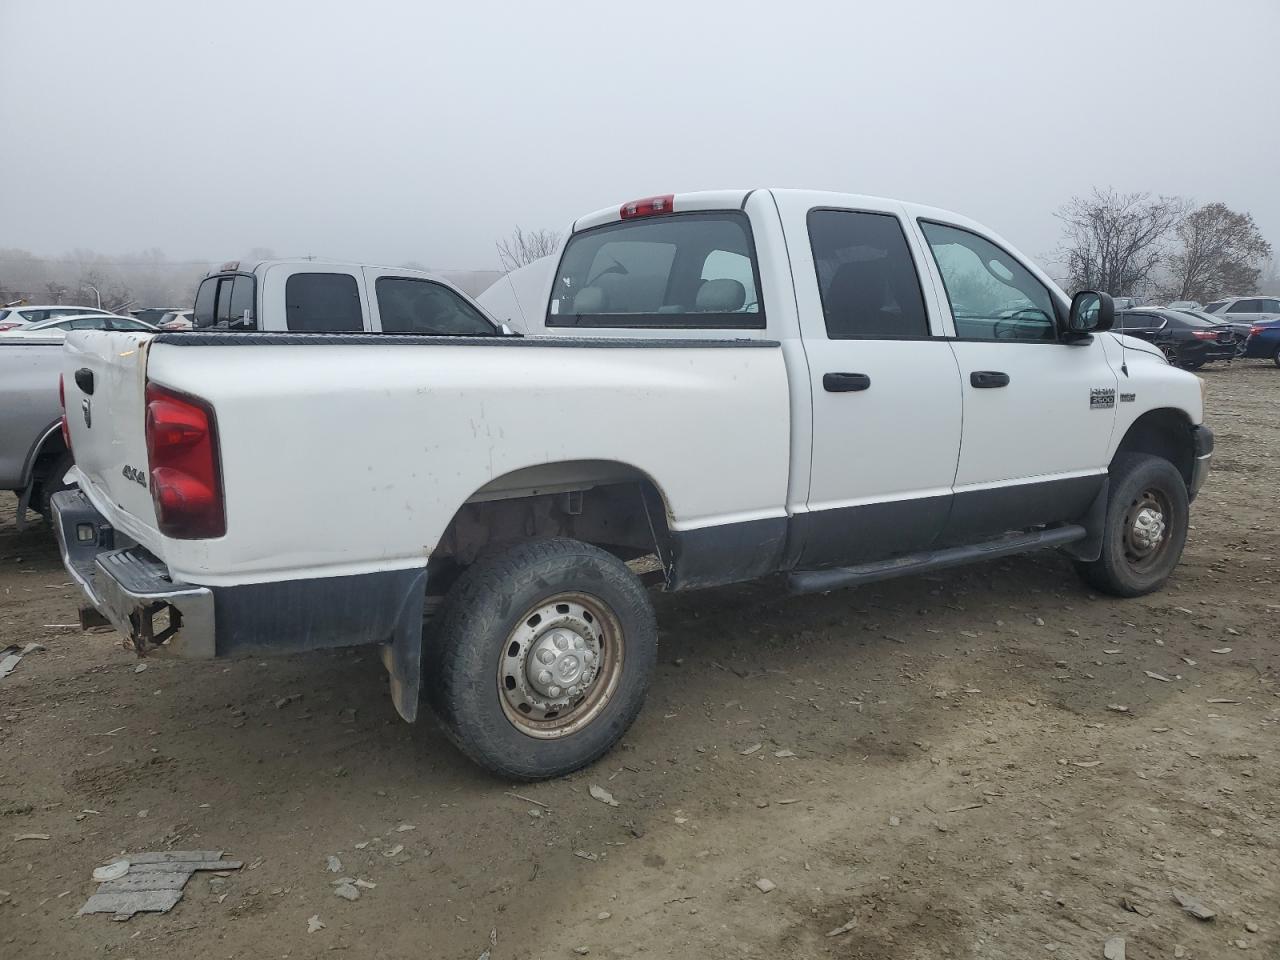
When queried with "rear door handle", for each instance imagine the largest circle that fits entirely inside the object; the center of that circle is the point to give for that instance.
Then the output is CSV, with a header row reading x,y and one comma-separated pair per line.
x,y
84,380
986,379
845,382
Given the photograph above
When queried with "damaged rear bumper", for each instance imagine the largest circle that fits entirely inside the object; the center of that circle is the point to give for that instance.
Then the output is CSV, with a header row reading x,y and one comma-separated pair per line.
x,y
128,587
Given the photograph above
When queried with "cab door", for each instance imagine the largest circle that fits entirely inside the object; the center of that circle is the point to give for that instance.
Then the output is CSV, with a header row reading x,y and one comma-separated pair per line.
x,y
1038,411
884,388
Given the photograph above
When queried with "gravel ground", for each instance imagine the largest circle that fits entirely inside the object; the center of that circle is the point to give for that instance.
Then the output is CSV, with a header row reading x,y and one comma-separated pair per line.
x,y
933,766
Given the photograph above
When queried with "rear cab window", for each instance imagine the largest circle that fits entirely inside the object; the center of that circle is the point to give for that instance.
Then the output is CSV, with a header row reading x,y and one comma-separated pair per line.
x,y
225,301
676,271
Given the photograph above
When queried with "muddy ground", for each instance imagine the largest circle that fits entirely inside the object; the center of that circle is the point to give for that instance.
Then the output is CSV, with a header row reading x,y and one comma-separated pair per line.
x,y
940,764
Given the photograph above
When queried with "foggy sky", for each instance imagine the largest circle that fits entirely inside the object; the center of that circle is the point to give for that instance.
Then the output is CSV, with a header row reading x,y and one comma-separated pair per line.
x,y
389,132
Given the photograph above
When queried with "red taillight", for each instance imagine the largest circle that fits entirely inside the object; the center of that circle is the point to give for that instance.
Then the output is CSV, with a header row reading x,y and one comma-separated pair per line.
x,y
62,402
1256,329
182,454
648,207
1204,334
9,326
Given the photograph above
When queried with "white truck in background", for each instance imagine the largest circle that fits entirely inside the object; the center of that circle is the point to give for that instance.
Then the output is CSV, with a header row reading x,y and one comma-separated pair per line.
x,y
330,296
834,388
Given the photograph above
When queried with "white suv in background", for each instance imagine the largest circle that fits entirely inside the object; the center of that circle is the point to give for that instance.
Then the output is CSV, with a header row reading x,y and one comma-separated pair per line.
x,y
1247,309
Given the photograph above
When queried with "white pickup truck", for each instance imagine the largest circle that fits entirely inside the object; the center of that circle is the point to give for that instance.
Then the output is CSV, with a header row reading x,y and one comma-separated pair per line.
x,y
306,295
732,384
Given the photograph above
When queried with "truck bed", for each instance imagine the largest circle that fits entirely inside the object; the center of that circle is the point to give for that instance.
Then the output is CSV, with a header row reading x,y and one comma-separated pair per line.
x,y
344,454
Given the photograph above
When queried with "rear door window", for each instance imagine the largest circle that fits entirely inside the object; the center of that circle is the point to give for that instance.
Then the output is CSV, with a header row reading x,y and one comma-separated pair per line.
x,y
322,303
684,271
866,276
409,305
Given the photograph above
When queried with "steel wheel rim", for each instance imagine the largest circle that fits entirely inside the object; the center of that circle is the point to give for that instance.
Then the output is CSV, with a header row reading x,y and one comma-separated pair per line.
x,y
1146,531
560,665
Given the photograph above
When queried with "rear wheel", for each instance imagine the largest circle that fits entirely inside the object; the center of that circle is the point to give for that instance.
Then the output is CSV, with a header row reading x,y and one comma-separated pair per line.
x,y
542,658
1145,528
1276,357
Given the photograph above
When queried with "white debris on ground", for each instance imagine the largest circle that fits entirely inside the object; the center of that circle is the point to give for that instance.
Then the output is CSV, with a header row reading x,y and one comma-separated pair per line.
x,y
150,882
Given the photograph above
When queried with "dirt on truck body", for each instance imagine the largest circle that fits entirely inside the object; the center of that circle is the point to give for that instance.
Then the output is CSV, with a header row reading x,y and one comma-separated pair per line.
x,y
989,762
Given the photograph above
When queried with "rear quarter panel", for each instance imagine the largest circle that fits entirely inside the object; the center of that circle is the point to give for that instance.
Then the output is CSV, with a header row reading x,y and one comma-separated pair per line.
x,y
342,459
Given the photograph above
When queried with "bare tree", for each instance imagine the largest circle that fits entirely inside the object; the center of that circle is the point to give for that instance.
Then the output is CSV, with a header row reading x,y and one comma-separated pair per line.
x,y
1115,241
56,291
522,248
1220,252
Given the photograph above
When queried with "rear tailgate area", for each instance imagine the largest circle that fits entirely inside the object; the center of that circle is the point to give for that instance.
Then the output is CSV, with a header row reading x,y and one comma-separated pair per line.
x,y
104,379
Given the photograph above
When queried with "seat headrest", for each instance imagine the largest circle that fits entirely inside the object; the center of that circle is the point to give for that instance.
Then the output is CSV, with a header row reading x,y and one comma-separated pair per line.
x,y
720,296
589,300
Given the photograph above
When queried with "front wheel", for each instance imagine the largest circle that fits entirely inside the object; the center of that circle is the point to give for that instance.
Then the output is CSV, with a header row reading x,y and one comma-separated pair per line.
x,y
1145,527
1276,357
542,658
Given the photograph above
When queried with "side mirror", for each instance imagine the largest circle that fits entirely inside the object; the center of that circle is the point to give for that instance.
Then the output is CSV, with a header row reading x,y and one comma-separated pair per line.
x,y
1091,312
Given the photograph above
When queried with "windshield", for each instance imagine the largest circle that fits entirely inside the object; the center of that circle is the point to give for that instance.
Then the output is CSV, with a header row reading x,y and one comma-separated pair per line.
x,y
1215,306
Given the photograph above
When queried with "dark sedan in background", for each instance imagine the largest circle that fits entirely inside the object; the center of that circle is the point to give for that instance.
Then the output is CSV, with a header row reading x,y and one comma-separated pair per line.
x,y
1186,340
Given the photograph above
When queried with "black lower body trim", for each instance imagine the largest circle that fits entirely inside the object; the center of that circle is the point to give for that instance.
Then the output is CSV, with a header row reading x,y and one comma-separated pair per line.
x,y
979,514
289,616
871,531
726,553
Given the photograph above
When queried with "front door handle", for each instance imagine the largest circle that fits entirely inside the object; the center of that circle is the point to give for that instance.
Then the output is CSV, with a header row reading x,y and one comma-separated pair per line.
x,y
986,379
845,382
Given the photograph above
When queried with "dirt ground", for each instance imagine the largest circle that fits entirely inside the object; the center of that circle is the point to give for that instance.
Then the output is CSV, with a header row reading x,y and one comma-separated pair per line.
x,y
937,761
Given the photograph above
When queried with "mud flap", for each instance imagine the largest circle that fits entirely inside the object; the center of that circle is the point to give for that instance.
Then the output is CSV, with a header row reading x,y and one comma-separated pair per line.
x,y
1095,521
403,655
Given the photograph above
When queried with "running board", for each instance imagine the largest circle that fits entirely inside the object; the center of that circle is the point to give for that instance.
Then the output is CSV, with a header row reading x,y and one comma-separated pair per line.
x,y
821,581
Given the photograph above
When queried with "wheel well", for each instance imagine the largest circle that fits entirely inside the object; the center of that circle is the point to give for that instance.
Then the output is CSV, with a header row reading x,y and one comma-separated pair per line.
x,y
611,505
44,454
1162,433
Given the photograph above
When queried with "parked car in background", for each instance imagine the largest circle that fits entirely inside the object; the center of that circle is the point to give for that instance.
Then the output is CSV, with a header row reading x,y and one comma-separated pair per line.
x,y
1247,309
56,328
323,296
1186,341
177,320
13,317
1239,326
1186,305
152,315
1264,341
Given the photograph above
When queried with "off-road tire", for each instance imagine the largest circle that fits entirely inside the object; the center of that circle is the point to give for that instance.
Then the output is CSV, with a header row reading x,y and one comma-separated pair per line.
x,y
462,654
1135,476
